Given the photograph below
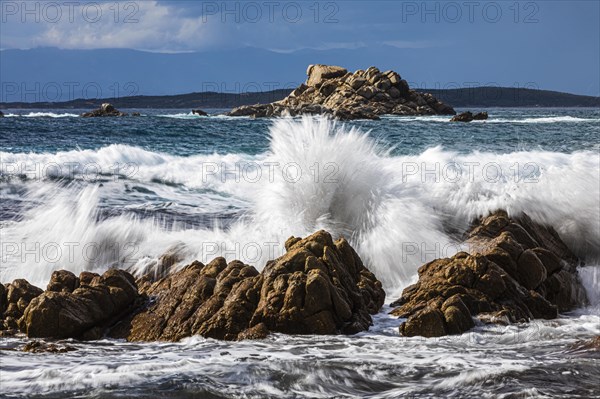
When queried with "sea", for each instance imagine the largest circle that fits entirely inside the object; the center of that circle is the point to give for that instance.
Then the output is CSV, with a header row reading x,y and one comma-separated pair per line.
x,y
95,193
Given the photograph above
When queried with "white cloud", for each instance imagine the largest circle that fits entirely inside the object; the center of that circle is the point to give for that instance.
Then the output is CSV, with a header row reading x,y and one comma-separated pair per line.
x,y
144,25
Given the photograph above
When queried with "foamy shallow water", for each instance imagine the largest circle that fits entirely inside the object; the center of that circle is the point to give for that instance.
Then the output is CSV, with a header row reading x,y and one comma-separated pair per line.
x,y
533,360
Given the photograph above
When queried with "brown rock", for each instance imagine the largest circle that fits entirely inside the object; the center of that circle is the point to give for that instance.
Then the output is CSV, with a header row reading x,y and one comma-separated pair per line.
x,y
331,90
18,295
63,281
531,270
427,322
89,307
318,73
513,273
318,287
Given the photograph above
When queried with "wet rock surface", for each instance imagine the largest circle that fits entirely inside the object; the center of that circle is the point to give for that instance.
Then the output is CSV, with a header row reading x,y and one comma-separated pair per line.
x,y
14,299
517,270
86,311
364,94
318,287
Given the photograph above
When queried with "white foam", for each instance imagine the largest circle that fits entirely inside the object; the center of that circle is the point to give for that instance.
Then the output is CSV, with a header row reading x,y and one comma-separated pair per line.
x,y
397,211
42,115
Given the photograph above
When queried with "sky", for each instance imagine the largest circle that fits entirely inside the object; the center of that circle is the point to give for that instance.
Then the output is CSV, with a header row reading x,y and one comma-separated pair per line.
x,y
551,45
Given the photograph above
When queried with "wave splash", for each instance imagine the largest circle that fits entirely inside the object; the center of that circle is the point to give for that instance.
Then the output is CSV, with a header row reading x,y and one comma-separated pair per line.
x,y
397,211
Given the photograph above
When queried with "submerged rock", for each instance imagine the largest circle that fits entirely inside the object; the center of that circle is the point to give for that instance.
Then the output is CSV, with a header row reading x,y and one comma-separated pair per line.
x,y
317,287
332,90
36,346
105,109
517,270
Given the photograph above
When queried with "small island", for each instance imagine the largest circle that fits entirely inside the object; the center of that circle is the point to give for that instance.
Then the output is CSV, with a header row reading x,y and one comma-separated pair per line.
x,y
364,94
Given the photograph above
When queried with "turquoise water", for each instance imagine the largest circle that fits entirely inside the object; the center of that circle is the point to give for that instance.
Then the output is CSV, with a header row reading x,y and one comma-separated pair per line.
x,y
177,132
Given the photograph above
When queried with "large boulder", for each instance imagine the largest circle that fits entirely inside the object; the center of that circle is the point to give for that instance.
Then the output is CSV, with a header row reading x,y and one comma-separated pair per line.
x,y
517,270
318,287
318,73
86,311
105,110
331,90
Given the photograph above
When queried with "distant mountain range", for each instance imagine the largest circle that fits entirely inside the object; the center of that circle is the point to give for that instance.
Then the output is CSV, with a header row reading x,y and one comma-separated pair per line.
x,y
57,75
55,78
476,97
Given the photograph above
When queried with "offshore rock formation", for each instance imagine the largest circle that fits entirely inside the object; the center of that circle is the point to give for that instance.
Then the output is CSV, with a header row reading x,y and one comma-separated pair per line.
x,y
318,287
105,110
366,94
469,116
517,270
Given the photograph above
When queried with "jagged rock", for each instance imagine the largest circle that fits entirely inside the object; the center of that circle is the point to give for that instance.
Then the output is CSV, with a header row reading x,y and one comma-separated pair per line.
x,y
83,313
317,287
105,109
1,114
516,270
480,116
331,90
136,114
199,112
14,299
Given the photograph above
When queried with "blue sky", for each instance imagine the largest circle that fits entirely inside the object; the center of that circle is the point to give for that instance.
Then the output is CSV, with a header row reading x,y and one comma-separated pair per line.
x,y
547,44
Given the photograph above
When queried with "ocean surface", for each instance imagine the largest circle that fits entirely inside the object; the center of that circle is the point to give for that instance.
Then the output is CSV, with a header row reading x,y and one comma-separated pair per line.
x,y
89,194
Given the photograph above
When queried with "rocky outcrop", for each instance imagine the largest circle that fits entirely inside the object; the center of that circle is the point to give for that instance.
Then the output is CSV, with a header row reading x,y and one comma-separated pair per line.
x,y
104,111
199,112
317,287
1,114
363,94
516,270
469,117
81,307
